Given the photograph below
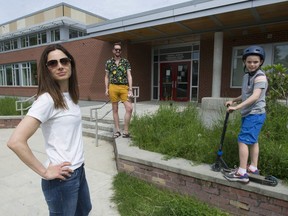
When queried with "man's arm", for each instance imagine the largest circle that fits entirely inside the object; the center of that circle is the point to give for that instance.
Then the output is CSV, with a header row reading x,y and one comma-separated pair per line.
x,y
106,83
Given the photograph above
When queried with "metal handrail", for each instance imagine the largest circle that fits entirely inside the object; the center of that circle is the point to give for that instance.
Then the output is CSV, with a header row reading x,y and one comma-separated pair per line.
x,y
21,102
95,118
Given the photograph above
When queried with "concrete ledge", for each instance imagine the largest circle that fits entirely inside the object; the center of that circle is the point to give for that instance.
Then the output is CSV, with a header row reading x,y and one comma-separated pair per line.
x,y
9,121
200,181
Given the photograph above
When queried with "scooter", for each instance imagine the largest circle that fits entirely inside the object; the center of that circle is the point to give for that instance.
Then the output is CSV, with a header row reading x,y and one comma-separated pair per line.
x,y
221,166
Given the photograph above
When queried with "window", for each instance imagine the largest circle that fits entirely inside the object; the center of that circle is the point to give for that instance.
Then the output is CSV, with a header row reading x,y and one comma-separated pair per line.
x,y
24,41
2,76
55,35
18,74
33,40
275,53
281,54
8,45
73,33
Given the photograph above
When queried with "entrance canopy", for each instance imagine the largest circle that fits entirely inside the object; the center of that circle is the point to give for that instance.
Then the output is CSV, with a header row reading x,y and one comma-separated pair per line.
x,y
185,22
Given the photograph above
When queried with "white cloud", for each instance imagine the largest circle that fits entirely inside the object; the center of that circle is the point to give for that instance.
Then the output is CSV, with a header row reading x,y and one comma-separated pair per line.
x,y
13,9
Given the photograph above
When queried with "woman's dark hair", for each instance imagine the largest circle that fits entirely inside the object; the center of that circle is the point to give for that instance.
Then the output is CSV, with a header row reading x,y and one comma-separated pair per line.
x,y
46,83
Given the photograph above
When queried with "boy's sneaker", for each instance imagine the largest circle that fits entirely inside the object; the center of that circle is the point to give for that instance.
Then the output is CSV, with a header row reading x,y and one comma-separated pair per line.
x,y
256,172
249,171
235,176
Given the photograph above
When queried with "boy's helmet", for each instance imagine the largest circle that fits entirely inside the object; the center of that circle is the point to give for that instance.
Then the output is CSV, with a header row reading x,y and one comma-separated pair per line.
x,y
254,50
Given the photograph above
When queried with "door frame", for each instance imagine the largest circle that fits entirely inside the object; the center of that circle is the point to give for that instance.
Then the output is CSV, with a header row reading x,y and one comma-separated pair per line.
x,y
169,80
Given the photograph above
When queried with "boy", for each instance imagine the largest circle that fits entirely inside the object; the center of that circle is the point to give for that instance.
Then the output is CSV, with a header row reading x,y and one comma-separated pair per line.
x,y
252,104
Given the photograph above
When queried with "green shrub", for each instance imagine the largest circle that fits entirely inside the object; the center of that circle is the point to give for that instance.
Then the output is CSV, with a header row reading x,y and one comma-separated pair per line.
x,y
136,197
8,106
278,81
172,132
182,134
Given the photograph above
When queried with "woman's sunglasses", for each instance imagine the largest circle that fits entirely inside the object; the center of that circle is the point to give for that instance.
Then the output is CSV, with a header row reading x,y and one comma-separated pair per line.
x,y
54,63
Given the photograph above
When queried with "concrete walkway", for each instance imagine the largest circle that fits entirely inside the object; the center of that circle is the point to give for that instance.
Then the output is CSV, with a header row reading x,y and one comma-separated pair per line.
x,y
20,187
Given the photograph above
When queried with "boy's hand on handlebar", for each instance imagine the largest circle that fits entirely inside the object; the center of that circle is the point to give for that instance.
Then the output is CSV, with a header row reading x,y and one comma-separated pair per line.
x,y
231,109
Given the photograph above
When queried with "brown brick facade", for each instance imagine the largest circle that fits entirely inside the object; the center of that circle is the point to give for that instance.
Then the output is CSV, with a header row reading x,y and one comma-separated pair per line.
x,y
91,55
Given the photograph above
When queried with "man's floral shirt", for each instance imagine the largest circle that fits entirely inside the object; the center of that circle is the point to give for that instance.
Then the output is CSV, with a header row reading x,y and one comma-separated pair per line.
x,y
118,74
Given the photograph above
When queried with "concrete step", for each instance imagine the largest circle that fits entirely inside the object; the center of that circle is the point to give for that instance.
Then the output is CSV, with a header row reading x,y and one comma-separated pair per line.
x,y
105,128
101,126
102,135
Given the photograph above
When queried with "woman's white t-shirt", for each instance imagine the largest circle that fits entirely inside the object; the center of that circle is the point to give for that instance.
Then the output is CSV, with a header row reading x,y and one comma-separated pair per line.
x,y
61,128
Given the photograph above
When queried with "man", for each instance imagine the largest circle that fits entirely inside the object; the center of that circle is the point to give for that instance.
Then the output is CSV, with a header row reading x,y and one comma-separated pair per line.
x,y
118,84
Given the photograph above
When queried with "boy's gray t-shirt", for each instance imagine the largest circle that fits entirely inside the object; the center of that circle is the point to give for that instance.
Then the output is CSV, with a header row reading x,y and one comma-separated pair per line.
x,y
248,87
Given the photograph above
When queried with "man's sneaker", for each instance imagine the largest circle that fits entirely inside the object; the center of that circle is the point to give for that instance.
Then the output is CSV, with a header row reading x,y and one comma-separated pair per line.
x,y
235,176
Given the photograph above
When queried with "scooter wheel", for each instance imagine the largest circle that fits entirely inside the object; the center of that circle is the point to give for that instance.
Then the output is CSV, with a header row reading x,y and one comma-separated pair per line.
x,y
273,181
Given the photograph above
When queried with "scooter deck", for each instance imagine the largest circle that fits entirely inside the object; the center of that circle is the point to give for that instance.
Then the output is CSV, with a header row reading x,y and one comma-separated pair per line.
x,y
264,180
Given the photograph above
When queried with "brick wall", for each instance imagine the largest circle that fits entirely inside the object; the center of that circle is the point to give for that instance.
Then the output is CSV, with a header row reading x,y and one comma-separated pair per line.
x,y
9,122
233,200
184,177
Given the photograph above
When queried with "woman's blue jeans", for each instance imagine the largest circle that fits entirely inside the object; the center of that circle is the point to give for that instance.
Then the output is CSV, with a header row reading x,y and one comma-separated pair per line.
x,y
68,197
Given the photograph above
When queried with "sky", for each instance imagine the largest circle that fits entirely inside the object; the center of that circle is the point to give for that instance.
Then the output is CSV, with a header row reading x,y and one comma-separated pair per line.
x,y
110,9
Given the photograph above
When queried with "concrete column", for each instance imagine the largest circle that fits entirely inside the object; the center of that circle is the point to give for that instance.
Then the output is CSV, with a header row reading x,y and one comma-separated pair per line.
x,y
217,64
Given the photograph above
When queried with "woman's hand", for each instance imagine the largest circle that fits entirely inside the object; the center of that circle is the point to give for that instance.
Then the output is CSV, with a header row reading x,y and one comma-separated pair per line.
x,y
59,171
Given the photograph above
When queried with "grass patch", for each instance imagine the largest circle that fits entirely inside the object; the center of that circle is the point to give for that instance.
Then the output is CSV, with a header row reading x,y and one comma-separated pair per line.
x,y
181,134
136,197
8,106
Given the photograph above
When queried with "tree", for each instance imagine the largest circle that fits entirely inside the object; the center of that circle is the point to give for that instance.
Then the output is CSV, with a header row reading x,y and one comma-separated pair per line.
x,y
277,76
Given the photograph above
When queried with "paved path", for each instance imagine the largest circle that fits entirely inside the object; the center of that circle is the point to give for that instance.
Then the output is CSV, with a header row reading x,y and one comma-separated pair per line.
x,y
20,187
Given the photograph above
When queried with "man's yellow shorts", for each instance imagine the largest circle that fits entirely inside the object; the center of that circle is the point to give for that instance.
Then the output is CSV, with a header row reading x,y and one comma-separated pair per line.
x,y
118,93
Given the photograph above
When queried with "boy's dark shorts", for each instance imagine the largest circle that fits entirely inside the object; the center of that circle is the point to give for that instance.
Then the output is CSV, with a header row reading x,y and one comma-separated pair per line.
x,y
250,128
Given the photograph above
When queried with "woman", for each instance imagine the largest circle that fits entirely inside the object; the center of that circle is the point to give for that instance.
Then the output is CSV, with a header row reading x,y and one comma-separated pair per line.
x,y
56,110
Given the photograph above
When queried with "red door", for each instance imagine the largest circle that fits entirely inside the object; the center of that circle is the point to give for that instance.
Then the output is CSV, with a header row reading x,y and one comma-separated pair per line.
x,y
175,81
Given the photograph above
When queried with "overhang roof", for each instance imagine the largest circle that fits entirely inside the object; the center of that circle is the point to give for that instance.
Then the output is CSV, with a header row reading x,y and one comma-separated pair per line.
x,y
187,21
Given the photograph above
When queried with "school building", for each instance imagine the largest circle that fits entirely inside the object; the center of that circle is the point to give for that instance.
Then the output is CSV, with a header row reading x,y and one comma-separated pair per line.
x,y
183,52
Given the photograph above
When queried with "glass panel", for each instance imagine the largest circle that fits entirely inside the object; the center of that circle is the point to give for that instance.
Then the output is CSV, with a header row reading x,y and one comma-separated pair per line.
x,y
175,57
237,73
15,44
73,33
181,92
281,54
2,76
194,94
156,58
196,47
9,76
7,45
55,35
16,74
176,49
33,40
195,68
195,55
182,82
43,38
155,93
25,78
24,41
155,75
166,82
34,75
237,68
